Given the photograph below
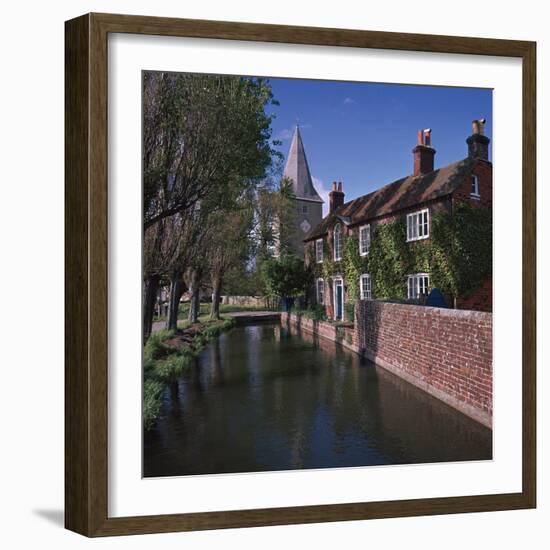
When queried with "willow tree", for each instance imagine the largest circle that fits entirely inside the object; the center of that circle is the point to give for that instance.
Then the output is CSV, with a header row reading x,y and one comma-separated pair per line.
x,y
229,246
204,137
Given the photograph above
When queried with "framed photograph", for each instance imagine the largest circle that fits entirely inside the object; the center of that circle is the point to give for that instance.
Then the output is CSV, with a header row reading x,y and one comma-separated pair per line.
x,y
300,275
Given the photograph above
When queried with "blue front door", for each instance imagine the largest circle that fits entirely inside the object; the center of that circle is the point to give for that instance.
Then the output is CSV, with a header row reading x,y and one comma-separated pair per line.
x,y
339,306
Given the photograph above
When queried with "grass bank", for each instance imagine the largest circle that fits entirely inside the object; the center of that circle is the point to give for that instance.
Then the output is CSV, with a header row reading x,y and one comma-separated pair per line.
x,y
168,353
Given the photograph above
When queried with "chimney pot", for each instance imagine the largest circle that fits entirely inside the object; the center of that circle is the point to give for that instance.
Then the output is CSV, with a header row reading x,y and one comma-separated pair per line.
x,y
427,137
336,196
478,142
424,153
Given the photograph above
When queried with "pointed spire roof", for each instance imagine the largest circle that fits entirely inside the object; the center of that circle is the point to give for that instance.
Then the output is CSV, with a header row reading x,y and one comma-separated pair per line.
x,y
297,170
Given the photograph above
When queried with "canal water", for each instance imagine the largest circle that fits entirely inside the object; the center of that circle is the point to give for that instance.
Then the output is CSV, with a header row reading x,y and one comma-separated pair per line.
x,y
264,398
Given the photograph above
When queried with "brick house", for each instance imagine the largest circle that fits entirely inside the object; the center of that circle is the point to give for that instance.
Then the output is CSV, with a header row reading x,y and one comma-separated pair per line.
x,y
414,199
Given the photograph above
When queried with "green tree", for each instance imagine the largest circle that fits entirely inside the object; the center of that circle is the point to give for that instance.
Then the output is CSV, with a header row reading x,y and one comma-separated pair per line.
x,y
228,246
286,276
206,141
203,134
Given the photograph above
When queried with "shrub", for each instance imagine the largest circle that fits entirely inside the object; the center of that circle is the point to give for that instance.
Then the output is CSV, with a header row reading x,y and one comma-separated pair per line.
x,y
315,312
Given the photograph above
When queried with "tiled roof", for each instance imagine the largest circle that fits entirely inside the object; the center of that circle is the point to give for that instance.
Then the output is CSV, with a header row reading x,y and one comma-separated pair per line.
x,y
398,195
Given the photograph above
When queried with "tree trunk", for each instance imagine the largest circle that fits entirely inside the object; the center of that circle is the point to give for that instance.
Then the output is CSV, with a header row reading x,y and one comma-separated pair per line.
x,y
150,289
176,290
194,305
216,291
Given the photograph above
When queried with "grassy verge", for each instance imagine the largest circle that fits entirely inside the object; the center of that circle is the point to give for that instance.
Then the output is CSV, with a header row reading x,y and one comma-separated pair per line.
x,y
163,364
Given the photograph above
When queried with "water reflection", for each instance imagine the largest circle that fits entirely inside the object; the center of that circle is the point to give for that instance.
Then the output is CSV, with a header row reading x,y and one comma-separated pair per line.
x,y
265,398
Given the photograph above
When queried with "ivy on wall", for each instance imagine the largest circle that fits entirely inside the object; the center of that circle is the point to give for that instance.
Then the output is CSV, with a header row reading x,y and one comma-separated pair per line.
x,y
353,266
390,258
329,267
461,249
458,256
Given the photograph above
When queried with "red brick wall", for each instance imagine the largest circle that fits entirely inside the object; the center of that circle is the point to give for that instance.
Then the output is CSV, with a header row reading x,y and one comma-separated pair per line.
x,y
335,333
446,352
484,171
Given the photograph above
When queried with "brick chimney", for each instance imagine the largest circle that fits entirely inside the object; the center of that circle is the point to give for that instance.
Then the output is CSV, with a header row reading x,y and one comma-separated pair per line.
x,y
478,142
336,196
423,153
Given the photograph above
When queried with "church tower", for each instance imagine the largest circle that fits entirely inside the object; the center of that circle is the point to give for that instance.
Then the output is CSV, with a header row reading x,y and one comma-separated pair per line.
x,y
308,204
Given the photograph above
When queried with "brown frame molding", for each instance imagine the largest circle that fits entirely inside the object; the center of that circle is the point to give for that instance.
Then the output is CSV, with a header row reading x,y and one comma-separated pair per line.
x,y
86,274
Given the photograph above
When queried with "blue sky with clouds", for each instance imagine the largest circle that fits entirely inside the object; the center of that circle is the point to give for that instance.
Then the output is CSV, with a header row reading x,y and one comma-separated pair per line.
x,y
363,133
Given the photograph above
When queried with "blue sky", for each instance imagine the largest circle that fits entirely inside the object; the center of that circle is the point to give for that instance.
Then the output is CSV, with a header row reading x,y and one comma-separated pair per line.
x,y
363,133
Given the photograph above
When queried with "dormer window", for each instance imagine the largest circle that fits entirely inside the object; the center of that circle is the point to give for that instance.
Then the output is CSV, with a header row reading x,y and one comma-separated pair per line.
x,y
364,240
319,251
337,242
474,187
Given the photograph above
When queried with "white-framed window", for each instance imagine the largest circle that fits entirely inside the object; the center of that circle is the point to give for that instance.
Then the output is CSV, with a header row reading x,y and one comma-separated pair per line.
x,y
320,291
418,225
337,242
418,285
364,240
474,182
319,251
365,287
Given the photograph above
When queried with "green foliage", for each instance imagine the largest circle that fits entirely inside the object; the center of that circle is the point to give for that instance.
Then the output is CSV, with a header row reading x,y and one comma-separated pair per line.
x,y
315,312
390,258
458,254
203,112
155,348
171,368
349,311
286,276
329,267
152,401
461,249
353,266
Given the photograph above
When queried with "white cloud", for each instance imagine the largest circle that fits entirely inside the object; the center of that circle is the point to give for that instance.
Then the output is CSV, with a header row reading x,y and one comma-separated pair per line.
x,y
349,101
323,192
286,133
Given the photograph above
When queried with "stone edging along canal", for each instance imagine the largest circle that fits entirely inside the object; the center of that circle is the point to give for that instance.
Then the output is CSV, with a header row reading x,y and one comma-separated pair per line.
x,y
445,352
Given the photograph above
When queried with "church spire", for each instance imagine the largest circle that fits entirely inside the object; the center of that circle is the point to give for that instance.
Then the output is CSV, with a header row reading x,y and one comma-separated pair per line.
x,y
297,170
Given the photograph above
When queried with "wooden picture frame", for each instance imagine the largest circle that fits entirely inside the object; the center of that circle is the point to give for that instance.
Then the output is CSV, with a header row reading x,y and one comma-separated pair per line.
x,y
86,223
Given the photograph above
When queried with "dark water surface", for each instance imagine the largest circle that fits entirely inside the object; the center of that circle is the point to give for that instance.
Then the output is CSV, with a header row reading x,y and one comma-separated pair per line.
x,y
262,398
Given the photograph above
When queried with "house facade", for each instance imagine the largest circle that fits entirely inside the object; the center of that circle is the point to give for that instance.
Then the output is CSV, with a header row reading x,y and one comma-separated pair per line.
x,y
413,210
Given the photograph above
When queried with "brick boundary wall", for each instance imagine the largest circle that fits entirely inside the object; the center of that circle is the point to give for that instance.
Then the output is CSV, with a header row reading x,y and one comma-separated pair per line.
x,y
335,333
446,352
